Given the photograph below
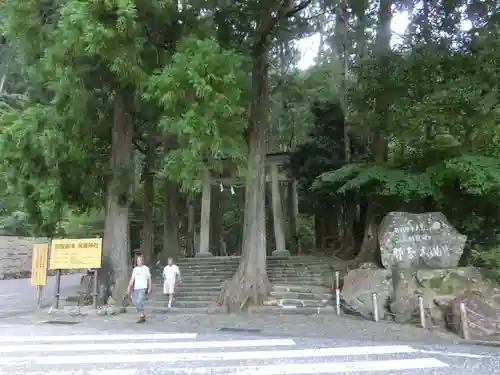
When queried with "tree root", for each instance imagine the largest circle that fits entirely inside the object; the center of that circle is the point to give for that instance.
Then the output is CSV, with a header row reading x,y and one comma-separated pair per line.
x,y
248,287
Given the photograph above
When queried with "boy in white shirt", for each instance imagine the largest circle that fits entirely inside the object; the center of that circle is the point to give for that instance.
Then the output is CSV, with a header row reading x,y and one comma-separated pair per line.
x,y
140,282
171,275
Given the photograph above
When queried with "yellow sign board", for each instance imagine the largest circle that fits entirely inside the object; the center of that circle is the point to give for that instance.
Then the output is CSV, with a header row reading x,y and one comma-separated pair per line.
x,y
75,254
39,264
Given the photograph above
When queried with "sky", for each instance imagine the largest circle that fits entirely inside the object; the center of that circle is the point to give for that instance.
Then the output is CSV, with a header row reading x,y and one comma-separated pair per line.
x,y
309,46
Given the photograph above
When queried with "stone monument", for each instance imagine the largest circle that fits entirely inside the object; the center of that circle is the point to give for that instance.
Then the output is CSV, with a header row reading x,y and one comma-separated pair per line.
x,y
419,241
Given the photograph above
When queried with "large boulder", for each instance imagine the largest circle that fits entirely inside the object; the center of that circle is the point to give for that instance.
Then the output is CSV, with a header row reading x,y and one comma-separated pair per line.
x,y
398,291
420,240
359,285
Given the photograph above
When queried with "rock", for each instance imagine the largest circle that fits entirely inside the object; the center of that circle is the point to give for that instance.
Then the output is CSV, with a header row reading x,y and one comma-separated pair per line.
x,y
85,290
455,281
359,284
74,311
281,253
404,300
416,240
52,310
112,310
483,315
101,311
368,266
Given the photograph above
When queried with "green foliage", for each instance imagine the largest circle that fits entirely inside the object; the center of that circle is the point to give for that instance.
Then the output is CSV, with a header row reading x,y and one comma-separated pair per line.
x,y
489,260
200,94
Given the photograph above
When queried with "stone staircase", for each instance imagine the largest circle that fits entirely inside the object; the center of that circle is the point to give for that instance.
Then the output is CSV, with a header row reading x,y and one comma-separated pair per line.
x,y
299,283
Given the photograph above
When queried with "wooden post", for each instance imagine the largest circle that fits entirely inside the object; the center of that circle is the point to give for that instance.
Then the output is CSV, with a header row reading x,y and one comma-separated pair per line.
x,y
191,249
337,301
293,212
279,233
95,287
215,222
375,307
464,322
421,310
57,291
205,215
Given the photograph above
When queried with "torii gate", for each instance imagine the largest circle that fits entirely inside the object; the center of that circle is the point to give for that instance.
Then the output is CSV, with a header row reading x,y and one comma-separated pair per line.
x,y
275,176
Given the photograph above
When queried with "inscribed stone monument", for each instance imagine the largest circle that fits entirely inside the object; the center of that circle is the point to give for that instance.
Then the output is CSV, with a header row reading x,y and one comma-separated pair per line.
x,y
419,240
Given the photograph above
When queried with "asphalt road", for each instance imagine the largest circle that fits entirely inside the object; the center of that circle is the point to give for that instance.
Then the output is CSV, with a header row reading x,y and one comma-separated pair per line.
x,y
19,297
135,351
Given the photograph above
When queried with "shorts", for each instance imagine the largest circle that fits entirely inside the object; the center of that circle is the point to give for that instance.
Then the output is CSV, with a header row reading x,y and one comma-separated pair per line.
x,y
168,287
138,299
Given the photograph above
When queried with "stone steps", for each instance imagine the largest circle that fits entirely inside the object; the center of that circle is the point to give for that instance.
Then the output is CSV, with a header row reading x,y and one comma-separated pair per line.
x,y
181,304
305,296
297,284
297,302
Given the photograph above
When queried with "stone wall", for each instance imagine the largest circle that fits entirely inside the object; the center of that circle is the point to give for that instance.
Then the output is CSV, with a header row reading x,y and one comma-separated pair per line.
x,y
15,257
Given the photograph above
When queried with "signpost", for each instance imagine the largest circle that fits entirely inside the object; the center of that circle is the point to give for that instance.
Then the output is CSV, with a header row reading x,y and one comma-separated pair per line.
x,y
68,254
39,265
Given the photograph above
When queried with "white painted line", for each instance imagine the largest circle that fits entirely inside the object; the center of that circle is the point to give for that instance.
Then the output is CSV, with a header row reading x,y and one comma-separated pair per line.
x,y
205,356
8,295
144,346
314,368
454,354
80,372
105,337
113,372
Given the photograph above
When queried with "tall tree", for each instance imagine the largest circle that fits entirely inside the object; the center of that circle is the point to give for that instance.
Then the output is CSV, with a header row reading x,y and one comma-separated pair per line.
x,y
250,285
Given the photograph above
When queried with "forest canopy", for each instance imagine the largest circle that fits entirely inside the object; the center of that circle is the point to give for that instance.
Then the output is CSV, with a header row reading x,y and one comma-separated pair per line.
x,y
113,114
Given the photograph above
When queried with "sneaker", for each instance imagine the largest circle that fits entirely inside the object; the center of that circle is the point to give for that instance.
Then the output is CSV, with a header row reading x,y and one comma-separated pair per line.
x,y
142,319
169,305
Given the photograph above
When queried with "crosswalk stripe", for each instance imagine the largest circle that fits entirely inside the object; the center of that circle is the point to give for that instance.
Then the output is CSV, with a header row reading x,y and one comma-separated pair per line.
x,y
315,368
109,355
280,369
210,356
103,337
145,345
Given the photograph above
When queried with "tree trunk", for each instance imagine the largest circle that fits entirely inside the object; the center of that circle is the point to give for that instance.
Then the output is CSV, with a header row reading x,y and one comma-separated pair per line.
x,y
147,235
171,245
251,285
116,245
379,144
369,245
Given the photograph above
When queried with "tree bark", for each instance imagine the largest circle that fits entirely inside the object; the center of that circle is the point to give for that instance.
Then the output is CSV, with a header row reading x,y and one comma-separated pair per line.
x,y
171,245
116,244
379,144
251,285
147,234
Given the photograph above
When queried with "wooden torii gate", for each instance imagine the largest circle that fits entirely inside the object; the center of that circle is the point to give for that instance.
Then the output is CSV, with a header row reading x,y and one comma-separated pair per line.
x,y
275,175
